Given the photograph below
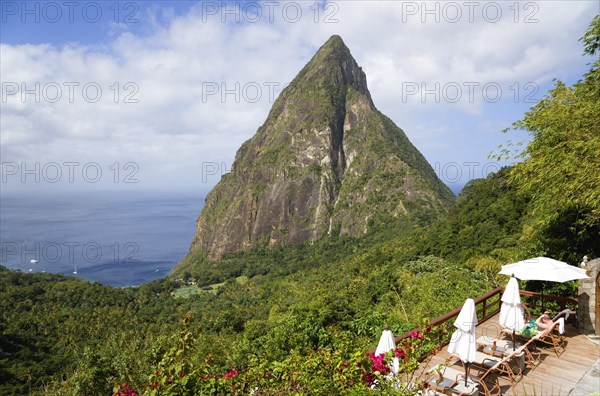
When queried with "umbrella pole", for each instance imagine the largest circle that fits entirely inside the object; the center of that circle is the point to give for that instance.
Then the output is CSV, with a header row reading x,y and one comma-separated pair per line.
x,y
466,373
514,340
542,297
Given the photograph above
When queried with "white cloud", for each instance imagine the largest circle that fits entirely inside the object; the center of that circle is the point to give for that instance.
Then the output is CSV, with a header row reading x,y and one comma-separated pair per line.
x,y
171,60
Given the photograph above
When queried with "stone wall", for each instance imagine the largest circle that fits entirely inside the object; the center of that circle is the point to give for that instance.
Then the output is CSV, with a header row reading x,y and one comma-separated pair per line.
x,y
586,312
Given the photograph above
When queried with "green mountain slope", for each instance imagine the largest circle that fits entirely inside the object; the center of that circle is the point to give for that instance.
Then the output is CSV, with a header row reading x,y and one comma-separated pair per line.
x,y
487,218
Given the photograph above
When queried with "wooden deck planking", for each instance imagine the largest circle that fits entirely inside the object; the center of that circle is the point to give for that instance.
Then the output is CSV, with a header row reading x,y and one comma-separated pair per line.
x,y
554,376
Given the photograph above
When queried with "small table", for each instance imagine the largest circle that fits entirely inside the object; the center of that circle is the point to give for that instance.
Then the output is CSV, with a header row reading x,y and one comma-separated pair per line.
x,y
443,386
469,390
498,352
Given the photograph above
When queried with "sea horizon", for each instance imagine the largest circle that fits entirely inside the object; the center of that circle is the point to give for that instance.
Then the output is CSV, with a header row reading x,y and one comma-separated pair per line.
x,y
116,238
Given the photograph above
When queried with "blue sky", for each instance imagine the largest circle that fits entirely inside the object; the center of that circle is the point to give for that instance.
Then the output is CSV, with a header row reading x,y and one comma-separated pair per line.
x,y
159,95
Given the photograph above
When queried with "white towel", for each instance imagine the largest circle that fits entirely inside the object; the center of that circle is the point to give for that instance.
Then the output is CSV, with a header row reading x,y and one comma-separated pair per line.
x,y
561,325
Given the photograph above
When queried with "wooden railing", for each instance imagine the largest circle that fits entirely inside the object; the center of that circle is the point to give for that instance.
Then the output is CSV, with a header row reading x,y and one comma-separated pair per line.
x,y
486,307
490,306
562,302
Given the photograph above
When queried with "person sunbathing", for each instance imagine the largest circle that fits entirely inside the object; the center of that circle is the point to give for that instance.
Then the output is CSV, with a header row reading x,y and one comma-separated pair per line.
x,y
544,322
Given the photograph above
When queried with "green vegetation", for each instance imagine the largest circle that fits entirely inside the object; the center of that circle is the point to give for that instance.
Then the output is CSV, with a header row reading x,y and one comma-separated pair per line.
x,y
560,168
484,227
297,317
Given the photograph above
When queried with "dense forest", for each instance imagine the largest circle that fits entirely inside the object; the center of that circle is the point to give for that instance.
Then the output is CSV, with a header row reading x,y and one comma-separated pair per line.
x,y
300,318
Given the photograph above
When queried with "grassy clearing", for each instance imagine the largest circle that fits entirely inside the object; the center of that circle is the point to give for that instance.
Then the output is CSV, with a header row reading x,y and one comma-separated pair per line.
x,y
188,290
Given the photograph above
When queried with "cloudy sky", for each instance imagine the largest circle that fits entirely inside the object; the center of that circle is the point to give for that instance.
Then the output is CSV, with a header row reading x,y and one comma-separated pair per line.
x,y
159,95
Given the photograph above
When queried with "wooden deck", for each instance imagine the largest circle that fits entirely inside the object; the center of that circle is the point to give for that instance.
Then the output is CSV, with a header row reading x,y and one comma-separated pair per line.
x,y
554,376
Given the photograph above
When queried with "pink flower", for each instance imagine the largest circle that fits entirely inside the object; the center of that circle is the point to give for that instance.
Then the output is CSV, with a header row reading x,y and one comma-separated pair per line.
x,y
399,353
379,364
158,372
367,378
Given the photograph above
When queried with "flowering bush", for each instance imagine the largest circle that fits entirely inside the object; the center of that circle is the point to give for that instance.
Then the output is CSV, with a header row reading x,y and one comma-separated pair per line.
x,y
123,390
399,353
332,371
410,353
379,366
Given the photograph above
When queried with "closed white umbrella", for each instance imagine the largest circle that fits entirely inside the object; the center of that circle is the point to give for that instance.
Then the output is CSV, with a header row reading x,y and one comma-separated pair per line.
x,y
462,342
511,311
386,342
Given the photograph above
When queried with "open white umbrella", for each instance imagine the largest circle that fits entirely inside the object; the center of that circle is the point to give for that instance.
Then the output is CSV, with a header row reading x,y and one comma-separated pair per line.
x,y
543,269
386,342
511,311
462,342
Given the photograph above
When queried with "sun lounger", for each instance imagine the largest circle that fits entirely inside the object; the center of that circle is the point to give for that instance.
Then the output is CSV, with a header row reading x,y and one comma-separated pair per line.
x,y
554,338
551,337
485,341
507,365
532,354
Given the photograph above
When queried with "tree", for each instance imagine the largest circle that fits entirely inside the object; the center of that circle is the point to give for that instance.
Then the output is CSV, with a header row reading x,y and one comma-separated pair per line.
x,y
591,38
561,166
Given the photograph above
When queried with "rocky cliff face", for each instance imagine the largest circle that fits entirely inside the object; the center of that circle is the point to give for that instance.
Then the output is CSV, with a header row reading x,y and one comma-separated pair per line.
x,y
325,161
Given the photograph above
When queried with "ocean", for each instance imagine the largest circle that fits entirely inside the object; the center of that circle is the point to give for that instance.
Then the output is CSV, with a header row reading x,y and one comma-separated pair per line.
x,y
115,238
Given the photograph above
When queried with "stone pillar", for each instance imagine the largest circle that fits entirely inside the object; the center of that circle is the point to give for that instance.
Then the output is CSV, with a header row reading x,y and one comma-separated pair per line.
x,y
588,311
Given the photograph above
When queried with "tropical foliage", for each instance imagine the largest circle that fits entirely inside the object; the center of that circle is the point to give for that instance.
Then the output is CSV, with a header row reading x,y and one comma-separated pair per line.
x,y
561,166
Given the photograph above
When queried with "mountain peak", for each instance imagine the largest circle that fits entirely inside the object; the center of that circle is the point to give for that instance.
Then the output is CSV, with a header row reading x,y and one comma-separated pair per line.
x,y
325,162
335,44
333,69
336,39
